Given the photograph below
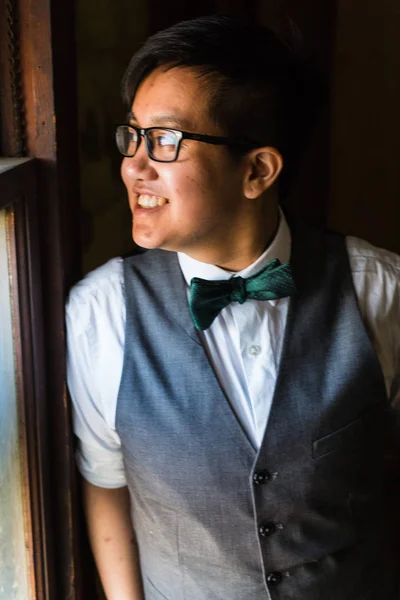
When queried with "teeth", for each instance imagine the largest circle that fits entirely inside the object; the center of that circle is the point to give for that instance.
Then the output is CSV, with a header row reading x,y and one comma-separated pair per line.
x,y
146,201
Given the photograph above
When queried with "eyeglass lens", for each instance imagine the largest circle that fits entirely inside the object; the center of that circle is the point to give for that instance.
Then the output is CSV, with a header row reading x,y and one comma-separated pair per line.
x,y
162,144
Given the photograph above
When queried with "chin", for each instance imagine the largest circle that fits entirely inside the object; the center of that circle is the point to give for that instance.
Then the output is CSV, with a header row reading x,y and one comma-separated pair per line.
x,y
145,241
150,242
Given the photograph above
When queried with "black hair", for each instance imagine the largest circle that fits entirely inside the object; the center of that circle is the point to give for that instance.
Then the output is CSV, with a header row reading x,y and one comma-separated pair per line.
x,y
260,89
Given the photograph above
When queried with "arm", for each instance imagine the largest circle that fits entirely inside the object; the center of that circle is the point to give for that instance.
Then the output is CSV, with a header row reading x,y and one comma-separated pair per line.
x,y
113,541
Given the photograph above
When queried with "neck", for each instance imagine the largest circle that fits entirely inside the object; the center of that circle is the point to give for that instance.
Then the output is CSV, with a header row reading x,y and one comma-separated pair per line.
x,y
244,241
246,253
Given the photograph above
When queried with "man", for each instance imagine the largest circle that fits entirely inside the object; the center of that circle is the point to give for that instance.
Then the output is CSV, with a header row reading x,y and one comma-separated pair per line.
x,y
239,426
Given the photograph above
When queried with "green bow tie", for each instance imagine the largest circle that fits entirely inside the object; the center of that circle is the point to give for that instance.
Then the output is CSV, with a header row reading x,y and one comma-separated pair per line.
x,y
208,298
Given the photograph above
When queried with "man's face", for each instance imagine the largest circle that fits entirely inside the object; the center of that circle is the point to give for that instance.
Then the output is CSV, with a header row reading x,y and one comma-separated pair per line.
x,y
200,202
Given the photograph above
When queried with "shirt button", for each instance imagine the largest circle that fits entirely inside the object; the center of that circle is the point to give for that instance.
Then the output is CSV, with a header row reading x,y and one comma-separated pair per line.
x,y
254,350
274,578
267,529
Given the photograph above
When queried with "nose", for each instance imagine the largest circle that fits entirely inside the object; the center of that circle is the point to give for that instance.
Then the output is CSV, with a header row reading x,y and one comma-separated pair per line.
x,y
138,167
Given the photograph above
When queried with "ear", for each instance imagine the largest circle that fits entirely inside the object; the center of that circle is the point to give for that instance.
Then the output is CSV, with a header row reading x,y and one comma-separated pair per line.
x,y
263,168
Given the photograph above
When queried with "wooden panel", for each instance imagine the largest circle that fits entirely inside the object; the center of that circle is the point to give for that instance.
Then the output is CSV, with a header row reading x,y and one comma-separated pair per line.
x,y
366,122
7,125
48,79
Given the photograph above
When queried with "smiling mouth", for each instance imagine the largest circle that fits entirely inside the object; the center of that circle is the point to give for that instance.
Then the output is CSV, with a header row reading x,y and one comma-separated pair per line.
x,y
147,201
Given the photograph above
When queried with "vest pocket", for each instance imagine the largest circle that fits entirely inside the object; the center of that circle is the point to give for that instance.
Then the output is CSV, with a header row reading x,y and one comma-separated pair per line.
x,y
350,437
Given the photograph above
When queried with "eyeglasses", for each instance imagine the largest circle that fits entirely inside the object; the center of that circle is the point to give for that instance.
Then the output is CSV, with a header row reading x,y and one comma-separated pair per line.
x,y
163,145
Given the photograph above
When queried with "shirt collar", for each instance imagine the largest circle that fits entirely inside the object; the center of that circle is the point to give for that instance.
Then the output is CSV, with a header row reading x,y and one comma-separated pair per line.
x,y
279,248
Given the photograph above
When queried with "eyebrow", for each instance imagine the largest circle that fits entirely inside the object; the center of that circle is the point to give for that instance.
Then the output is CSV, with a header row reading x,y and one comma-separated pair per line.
x,y
165,121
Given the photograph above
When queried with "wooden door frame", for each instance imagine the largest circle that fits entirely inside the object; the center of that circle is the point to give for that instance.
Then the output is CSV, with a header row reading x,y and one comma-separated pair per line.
x,y
44,45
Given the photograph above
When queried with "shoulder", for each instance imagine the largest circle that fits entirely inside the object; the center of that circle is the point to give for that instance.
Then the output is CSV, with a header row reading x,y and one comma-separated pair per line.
x,y
98,295
377,264
376,278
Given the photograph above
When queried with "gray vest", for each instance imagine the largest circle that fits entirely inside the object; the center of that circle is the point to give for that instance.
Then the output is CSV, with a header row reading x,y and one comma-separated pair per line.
x,y
302,519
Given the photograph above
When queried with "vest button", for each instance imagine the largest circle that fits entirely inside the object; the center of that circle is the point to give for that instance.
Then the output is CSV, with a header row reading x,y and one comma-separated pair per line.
x,y
274,578
267,529
260,477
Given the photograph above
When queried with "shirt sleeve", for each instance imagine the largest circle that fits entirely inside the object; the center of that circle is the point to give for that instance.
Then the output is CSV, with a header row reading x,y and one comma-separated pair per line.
x,y
94,366
376,277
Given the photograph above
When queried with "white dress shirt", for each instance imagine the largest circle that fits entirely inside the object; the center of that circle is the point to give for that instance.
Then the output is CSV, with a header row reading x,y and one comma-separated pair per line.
x,y
243,344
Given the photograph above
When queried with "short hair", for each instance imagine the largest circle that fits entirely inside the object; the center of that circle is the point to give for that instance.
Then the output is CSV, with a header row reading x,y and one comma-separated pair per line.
x,y
260,89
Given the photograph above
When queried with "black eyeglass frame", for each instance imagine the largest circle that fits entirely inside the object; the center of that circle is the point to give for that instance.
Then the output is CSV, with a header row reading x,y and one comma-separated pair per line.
x,y
181,135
